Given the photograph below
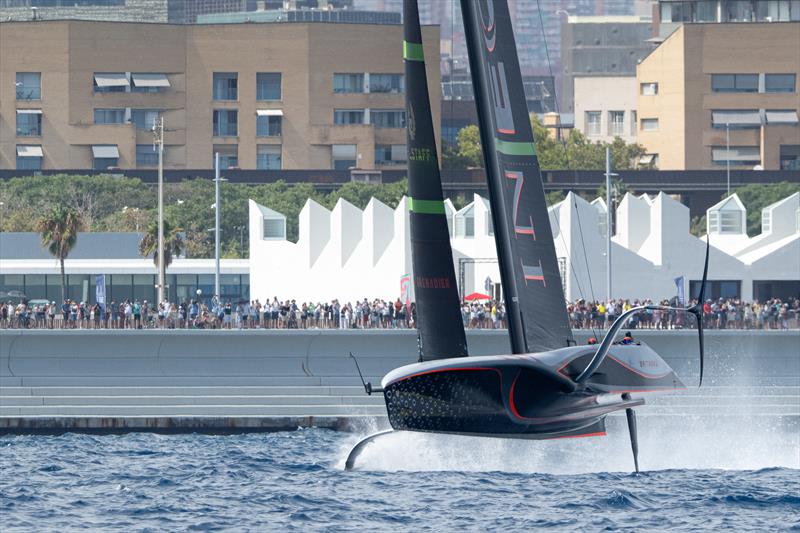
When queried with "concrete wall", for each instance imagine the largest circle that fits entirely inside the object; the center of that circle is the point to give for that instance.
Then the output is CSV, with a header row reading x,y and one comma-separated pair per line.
x,y
199,358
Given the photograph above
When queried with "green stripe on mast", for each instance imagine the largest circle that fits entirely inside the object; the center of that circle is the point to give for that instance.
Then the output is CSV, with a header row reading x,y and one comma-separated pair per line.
x,y
514,148
427,207
413,51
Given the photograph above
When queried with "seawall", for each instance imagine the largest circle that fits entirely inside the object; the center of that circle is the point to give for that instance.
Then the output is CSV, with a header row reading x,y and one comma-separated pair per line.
x,y
266,380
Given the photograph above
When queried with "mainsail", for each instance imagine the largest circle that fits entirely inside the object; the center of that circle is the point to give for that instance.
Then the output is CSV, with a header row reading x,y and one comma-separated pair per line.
x,y
537,318
438,311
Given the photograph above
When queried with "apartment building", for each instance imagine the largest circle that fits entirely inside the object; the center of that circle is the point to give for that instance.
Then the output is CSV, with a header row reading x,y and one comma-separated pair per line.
x,y
671,14
605,107
84,95
717,95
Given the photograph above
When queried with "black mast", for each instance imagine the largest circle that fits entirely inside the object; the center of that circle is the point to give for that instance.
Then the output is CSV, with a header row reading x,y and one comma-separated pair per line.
x,y
537,317
438,308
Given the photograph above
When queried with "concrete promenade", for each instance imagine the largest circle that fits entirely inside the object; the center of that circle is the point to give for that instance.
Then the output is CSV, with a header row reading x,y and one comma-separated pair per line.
x,y
263,380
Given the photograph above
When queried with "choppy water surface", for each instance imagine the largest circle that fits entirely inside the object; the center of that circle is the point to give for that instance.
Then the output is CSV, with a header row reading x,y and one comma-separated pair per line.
x,y
698,477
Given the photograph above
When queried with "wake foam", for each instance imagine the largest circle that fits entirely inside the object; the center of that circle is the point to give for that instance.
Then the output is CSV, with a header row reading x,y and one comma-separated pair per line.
x,y
665,442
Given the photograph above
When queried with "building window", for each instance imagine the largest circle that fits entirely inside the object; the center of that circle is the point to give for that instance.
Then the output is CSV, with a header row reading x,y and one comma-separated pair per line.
x,y
149,83
226,123
649,89
228,155
348,116
268,157
109,116
390,154
705,11
676,11
105,156
734,83
725,222
766,220
146,155
737,155
790,156
29,86
592,123
616,123
773,11
226,86
343,156
29,122
739,10
736,119
649,124
386,83
348,83
273,228
268,86
779,83
465,222
145,119
388,118
29,157
111,82
268,125
634,123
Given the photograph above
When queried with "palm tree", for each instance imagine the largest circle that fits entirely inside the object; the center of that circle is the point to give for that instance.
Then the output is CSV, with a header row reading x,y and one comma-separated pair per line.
x,y
59,229
173,243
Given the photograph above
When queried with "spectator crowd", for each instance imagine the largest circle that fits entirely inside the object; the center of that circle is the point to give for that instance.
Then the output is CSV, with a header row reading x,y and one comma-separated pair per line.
x,y
375,314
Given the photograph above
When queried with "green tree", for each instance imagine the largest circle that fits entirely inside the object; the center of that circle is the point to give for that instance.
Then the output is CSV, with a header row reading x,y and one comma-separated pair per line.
x,y
359,194
173,242
618,188
553,197
469,146
575,153
59,229
756,197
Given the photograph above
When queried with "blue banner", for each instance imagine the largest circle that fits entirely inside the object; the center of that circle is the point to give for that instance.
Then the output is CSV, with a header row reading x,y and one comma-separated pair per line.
x,y
100,290
680,283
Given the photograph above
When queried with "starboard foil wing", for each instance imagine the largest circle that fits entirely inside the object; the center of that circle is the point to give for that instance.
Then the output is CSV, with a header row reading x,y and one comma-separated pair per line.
x,y
537,318
436,294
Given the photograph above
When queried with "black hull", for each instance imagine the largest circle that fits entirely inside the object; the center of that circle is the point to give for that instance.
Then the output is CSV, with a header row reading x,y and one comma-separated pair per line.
x,y
529,397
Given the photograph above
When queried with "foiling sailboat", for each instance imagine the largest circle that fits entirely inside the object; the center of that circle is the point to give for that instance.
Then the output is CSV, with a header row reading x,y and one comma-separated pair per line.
x,y
548,387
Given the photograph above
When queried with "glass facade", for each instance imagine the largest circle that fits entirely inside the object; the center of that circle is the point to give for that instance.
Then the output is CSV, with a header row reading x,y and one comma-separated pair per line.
x,y
146,155
348,83
228,155
121,287
348,116
734,83
104,163
29,86
29,124
226,123
268,157
386,83
593,122
226,86
388,118
29,163
268,126
109,116
779,83
145,119
268,86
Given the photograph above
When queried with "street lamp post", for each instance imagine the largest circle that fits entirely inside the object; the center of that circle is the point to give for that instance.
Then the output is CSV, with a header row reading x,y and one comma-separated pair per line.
x,y
216,224
158,141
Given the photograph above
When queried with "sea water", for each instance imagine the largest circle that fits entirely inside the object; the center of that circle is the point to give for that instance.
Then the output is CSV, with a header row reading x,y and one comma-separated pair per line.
x,y
697,475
